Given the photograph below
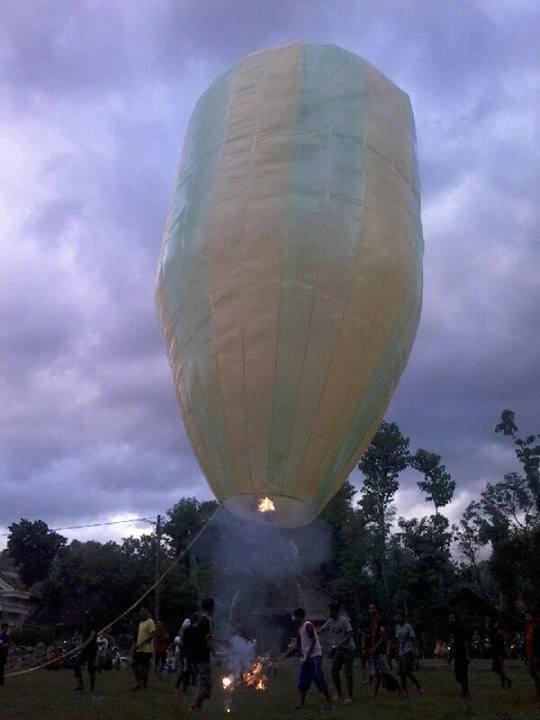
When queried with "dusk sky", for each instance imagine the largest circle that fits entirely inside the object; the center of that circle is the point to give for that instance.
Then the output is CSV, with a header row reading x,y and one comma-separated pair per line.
x,y
96,96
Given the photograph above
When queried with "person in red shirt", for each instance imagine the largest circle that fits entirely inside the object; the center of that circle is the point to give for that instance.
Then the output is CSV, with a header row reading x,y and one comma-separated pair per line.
x,y
532,649
161,644
377,652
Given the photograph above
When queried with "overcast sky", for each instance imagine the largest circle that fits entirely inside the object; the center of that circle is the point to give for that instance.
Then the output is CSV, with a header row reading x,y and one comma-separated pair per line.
x,y
96,96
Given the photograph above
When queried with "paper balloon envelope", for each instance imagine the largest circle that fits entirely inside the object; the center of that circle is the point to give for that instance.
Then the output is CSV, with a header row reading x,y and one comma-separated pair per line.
x,y
290,279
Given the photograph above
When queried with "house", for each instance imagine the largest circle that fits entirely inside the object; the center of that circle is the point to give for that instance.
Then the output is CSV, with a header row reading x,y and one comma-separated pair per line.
x,y
16,603
264,607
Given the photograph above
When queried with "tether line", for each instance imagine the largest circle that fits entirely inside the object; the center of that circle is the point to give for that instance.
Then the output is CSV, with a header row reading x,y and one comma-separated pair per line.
x,y
132,607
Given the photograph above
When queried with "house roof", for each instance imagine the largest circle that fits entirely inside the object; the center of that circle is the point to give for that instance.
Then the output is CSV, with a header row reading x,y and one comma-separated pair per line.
x,y
315,600
11,579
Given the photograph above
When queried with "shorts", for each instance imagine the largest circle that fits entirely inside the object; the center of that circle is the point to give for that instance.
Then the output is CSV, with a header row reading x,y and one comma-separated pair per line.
x,y
311,671
204,681
378,665
406,663
88,657
142,660
343,658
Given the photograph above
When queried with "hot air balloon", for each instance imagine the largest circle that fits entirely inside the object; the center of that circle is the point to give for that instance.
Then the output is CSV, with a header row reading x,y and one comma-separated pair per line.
x,y
289,284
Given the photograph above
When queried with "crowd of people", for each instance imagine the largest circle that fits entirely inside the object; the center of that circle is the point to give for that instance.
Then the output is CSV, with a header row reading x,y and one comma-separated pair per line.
x,y
191,651
377,645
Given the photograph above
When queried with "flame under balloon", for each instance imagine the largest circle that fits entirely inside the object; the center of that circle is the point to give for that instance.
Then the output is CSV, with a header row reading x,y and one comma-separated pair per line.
x,y
266,505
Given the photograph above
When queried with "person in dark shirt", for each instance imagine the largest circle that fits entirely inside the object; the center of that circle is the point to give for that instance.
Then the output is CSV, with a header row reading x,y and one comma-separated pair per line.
x,y
377,652
460,654
498,651
343,648
203,648
88,653
4,650
190,640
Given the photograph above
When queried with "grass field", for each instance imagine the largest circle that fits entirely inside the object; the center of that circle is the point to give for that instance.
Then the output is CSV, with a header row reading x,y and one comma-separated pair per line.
x,y
47,696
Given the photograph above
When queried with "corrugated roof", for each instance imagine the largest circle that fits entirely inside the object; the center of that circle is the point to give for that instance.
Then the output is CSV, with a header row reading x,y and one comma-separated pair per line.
x,y
12,578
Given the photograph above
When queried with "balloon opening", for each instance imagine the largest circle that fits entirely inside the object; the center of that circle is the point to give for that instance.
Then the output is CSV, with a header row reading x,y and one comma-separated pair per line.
x,y
277,510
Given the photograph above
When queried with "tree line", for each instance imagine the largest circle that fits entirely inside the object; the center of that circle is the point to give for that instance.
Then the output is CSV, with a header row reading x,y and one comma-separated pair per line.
x,y
419,565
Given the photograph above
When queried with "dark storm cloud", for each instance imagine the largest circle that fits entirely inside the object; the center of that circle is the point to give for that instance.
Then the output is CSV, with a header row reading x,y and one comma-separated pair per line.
x,y
96,100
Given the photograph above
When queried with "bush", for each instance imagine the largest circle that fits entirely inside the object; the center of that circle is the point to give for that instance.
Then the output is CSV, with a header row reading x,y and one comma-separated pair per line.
x,y
29,637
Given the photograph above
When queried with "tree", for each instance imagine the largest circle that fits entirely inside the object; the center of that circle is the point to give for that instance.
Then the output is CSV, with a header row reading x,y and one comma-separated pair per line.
x,y
429,571
528,454
186,519
437,483
511,506
345,574
107,578
33,548
386,457
468,535
507,517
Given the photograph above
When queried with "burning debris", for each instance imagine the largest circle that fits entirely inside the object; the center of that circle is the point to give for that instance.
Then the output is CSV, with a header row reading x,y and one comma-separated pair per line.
x,y
255,678
266,505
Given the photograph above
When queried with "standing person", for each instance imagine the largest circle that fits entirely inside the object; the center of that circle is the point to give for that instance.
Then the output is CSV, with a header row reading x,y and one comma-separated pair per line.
x,y
532,649
343,648
88,653
179,643
102,652
142,655
498,651
364,641
203,651
406,639
460,654
161,644
377,652
311,669
4,650
188,667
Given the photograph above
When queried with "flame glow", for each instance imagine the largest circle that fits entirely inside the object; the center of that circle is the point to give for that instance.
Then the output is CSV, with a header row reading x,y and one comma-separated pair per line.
x,y
265,505
227,682
255,678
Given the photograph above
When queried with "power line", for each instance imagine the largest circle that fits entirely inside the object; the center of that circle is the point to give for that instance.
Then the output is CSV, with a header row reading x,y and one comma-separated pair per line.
x,y
151,521
145,594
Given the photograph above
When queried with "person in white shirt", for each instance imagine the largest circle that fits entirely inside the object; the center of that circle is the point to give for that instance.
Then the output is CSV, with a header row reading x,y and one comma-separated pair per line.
x,y
311,669
343,648
185,674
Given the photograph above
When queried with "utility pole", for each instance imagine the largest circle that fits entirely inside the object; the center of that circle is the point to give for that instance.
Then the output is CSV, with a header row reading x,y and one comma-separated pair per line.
x,y
157,568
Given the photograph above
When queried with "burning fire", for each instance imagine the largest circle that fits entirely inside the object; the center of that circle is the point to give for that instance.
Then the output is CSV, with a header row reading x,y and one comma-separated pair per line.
x,y
255,677
265,505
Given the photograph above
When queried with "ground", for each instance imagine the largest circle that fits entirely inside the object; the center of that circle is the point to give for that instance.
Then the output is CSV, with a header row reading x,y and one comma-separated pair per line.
x,y
46,695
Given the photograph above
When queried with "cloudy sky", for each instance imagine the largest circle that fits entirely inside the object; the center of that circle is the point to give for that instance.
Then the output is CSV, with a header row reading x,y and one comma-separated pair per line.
x,y
96,96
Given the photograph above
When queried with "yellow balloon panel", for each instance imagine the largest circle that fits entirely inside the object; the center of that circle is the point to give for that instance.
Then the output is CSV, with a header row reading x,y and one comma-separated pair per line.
x,y
290,280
